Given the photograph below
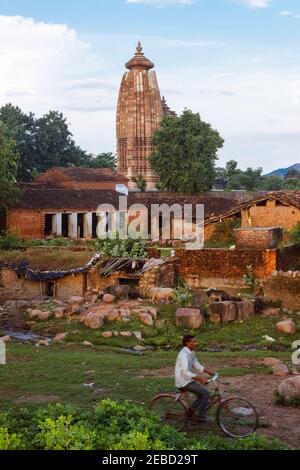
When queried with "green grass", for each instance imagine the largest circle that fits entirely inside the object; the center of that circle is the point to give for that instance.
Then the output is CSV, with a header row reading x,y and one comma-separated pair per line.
x,y
61,370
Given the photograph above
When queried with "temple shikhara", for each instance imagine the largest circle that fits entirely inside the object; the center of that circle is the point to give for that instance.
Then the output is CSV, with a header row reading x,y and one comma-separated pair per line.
x,y
139,113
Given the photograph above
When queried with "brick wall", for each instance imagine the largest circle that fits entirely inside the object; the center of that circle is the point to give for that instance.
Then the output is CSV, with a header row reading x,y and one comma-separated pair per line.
x,y
222,263
288,258
286,289
271,215
81,185
258,237
29,224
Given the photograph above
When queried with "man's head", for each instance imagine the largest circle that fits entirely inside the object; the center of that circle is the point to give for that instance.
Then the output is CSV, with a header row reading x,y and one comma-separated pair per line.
x,y
189,341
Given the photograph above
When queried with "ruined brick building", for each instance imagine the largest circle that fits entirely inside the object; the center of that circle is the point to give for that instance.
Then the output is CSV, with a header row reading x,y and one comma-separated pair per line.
x,y
139,113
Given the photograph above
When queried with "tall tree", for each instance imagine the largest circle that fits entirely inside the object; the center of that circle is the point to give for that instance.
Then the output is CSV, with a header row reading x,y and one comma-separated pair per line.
x,y
41,143
185,153
8,169
103,160
23,130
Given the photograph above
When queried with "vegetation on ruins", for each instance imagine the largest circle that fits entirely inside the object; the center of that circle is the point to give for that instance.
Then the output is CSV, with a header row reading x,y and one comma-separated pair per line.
x,y
8,168
223,235
121,248
46,142
294,234
249,279
140,182
185,153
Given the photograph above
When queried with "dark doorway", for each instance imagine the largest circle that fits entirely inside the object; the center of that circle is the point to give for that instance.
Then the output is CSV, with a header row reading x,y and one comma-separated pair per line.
x,y
80,225
49,289
95,223
65,225
48,225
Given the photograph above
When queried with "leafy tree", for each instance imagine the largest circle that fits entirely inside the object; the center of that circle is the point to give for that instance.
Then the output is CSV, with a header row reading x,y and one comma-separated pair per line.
x,y
41,143
271,183
185,153
231,168
221,178
248,180
140,182
8,169
23,130
291,184
103,160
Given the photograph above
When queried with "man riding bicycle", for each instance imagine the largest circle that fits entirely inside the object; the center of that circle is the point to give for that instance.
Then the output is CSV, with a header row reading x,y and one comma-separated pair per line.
x,y
186,380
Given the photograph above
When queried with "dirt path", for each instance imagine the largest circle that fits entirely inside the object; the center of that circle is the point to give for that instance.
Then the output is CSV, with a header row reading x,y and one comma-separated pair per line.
x,y
281,421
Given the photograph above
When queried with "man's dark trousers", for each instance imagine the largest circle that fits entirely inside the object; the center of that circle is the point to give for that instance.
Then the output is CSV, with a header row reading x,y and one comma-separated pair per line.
x,y
202,397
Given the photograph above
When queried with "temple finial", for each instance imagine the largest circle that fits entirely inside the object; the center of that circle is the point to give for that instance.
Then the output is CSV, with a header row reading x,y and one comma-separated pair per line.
x,y
139,47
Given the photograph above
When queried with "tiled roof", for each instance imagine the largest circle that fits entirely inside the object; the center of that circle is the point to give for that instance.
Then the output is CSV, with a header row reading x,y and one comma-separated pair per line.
x,y
80,174
289,198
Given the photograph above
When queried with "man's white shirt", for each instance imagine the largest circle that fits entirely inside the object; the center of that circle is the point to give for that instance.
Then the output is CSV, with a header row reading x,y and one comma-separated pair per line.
x,y
186,363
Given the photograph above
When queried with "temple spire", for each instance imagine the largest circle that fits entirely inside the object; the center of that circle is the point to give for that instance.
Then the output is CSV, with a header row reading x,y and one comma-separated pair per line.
x,y
139,60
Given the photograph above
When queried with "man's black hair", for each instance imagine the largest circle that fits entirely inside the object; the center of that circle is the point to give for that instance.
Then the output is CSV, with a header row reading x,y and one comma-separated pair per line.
x,y
186,339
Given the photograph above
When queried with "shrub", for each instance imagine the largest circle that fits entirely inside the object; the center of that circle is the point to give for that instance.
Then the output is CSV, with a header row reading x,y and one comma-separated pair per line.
x,y
9,441
183,297
121,248
295,234
281,400
61,434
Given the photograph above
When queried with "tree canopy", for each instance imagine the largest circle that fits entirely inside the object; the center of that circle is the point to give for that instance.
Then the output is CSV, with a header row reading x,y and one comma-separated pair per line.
x,y
185,153
45,142
8,168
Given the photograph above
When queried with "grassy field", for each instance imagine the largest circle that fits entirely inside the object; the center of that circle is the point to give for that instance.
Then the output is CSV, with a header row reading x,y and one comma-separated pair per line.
x,y
58,373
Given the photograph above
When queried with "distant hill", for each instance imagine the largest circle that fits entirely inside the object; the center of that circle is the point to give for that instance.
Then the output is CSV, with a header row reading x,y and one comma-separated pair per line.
x,y
283,171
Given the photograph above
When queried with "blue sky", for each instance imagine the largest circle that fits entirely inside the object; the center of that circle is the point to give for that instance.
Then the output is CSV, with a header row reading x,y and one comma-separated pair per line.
x,y
234,61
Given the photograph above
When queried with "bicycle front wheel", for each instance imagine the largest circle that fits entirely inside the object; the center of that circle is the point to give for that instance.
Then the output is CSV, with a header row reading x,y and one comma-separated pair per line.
x,y
171,411
237,417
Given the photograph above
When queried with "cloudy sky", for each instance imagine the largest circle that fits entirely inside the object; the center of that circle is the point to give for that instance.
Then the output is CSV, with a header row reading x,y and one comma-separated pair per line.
x,y
237,62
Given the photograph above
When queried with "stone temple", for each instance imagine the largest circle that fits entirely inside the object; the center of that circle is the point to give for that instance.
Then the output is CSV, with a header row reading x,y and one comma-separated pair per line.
x,y
139,113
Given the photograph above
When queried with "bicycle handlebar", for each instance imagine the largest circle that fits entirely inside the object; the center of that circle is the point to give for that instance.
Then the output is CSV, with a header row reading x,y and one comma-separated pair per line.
x,y
214,379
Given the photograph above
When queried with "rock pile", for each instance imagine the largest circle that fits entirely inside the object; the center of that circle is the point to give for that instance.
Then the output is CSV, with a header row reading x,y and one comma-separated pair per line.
x,y
231,311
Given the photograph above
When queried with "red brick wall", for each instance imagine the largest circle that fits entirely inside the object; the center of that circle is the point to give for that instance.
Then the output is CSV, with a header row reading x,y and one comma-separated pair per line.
x,y
224,263
257,237
29,224
288,258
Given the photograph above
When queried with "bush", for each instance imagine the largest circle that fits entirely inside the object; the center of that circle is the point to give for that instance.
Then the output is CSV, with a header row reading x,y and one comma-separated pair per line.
x,y
111,426
281,400
121,248
295,234
10,441
183,297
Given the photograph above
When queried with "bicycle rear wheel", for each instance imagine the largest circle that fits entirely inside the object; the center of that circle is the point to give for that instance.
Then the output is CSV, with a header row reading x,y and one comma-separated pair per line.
x,y
237,417
171,411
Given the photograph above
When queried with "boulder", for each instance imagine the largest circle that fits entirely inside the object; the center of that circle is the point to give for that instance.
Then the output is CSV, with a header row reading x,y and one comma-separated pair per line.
x,y
5,339
226,310
290,388
286,326
126,334
43,342
245,310
271,311
137,335
153,312
189,318
125,313
44,316
280,370
113,315
139,348
93,321
107,334
146,318
34,313
109,298
59,312
271,361
87,343
60,337
102,310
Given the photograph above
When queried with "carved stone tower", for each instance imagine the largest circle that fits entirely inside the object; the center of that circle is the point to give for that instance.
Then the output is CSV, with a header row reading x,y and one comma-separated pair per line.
x,y
139,112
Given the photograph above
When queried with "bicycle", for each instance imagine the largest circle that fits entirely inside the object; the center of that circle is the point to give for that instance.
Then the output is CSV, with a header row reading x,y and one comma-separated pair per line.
x,y
236,417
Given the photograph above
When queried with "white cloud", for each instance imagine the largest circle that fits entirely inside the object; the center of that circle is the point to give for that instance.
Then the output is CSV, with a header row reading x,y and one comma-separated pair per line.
x,y
47,66
162,3
285,13
255,3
